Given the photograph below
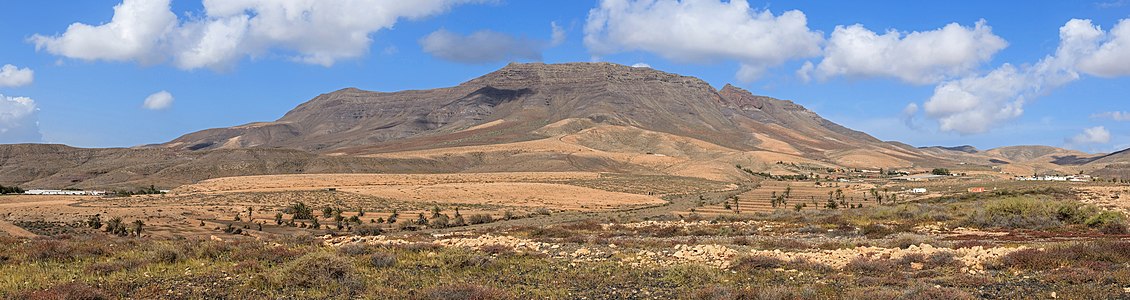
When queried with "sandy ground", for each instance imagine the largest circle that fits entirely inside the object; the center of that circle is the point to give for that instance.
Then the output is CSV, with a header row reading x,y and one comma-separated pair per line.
x,y
324,181
556,196
1109,197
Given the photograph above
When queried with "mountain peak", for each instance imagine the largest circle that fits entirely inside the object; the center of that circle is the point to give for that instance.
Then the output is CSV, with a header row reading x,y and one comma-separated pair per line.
x,y
515,75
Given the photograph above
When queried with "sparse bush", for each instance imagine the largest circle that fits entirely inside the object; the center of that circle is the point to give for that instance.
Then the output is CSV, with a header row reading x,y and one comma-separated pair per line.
x,y
1096,255
473,261
95,221
368,230
496,249
542,211
382,260
107,267
871,267
167,254
320,270
939,293
905,240
783,244
464,291
439,221
756,262
354,249
479,219
66,291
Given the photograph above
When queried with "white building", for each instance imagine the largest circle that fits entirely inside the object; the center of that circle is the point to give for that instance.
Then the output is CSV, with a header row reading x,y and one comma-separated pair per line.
x,y
64,192
918,191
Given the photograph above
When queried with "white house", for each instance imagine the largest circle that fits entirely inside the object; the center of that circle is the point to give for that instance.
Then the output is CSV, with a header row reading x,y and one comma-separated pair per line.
x,y
64,192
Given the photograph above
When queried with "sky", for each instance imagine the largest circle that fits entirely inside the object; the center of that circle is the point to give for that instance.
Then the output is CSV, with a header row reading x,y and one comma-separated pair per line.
x,y
121,73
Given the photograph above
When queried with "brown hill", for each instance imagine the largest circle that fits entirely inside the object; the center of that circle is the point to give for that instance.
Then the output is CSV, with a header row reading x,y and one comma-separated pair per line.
x,y
528,102
524,117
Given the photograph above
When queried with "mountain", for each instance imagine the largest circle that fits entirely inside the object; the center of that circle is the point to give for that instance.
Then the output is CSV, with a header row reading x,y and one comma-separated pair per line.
x,y
963,148
524,117
589,115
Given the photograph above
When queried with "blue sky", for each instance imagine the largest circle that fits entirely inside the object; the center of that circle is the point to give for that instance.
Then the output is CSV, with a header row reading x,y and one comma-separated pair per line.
x,y
984,73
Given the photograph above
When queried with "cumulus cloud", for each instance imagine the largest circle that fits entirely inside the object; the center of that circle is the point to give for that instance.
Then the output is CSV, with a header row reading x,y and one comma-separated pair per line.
x,y
1093,135
158,101
487,46
12,76
1112,58
915,57
974,104
309,31
135,32
641,65
1113,115
702,31
19,121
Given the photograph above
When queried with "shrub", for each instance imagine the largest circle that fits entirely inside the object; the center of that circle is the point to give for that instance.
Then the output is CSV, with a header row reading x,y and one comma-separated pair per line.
x,y
301,211
783,244
905,240
939,293
757,262
551,232
541,211
479,219
1105,218
107,267
464,291
382,260
68,291
497,249
167,254
473,261
717,292
1114,228
353,249
320,270
1097,255
368,230
42,250
871,267
95,221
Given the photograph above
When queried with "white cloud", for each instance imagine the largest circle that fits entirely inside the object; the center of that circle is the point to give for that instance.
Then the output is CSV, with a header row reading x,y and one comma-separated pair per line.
x,y
1112,58
481,46
641,65
135,32
158,101
558,35
12,76
309,31
702,31
1113,115
915,57
1093,135
19,121
975,104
